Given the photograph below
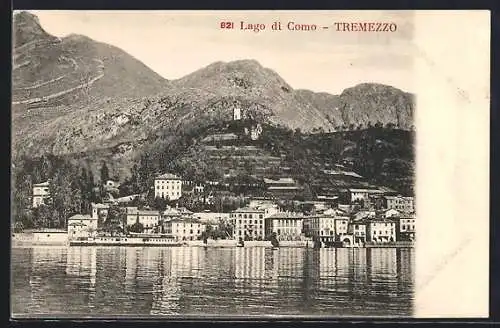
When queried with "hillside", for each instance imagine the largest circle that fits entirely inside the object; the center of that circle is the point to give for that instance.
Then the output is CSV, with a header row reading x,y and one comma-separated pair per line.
x,y
91,101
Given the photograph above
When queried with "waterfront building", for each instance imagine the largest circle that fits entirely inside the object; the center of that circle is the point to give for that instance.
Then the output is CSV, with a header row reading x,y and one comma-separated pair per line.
x,y
168,186
406,227
183,229
381,230
286,225
400,203
249,222
41,193
329,227
149,219
357,229
80,225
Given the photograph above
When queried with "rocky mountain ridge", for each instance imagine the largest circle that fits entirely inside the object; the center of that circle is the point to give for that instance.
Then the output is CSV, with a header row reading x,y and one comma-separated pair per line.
x,y
76,95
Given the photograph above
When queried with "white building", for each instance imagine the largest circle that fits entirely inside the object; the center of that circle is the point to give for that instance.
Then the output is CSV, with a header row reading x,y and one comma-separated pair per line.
x,y
407,227
330,226
185,229
286,225
150,219
363,194
41,193
249,222
168,186
81,226
381,231
358,230
236,114
390,213
400,203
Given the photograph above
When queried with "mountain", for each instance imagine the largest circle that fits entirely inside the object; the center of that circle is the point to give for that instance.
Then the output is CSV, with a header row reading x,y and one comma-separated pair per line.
x,y
50,71
363,105
78,97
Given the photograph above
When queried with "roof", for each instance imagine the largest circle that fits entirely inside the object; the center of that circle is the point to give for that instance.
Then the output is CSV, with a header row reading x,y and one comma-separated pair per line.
x,y
280,181
248,210
81,217
42,184
399,197
381,220
98,205
187,220
283,188
366,190
168,176
135,211
286,215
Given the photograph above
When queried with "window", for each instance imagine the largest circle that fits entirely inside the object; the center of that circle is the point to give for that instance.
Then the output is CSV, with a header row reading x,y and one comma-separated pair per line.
x,y
260,216
249,216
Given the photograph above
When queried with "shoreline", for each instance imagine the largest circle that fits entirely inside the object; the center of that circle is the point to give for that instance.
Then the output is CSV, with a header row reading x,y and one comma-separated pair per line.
x,y
20,244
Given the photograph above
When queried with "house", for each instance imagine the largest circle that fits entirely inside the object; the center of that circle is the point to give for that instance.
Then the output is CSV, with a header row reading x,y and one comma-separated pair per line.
x,y
330,226
112,184
168,186
358,230
196,187
286,225
99,212
211,217
389,213
41,193
249,222
363,195
400,203
381,230
359,215
150,219
81,226
183,229
282,187
406,227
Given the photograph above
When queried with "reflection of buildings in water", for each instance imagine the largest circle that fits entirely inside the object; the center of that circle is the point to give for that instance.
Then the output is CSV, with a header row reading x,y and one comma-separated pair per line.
x,y
405,263
383,263
250,262
82,262
249,269
166,289
186,262
290,262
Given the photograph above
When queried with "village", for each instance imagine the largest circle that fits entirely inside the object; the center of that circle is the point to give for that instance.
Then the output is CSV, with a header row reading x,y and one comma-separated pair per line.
x,y
357,218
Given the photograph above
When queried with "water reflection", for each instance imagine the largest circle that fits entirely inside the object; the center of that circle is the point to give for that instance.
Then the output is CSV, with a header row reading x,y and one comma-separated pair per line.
x,y
182,280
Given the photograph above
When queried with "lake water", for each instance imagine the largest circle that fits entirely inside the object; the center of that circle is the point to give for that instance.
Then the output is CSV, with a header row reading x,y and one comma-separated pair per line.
x,y
150,281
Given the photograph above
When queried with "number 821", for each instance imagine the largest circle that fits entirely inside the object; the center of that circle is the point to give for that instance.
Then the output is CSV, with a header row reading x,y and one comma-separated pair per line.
x,y
227,25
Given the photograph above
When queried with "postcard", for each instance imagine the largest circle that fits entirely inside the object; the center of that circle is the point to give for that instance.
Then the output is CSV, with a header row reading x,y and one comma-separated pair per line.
x,y
241,164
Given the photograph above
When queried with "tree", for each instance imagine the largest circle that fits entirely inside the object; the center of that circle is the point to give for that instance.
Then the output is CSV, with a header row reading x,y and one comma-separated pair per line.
x,y
104,173
116,216
136,228
160,204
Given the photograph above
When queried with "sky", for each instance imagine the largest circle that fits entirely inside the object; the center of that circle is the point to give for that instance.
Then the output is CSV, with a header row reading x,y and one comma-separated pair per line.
x,y
176,43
